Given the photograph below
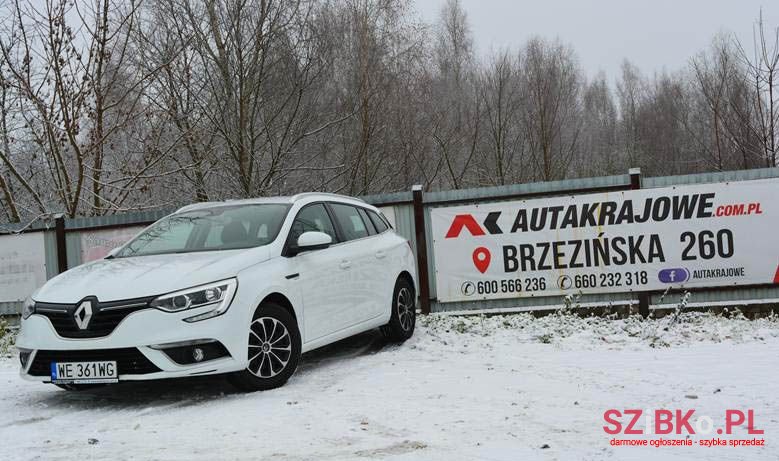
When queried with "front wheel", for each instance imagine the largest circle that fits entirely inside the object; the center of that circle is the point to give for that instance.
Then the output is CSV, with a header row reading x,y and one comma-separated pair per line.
x,y
404,312
274,350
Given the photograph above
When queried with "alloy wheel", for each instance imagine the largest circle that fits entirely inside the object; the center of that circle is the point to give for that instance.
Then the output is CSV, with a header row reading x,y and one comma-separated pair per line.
x,y
270,347
405,306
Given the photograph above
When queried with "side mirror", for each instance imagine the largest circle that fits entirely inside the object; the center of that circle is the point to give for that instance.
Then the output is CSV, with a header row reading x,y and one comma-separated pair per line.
x,y
313,240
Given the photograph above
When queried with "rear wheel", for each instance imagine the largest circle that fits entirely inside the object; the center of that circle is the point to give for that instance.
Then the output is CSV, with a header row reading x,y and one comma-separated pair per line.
x,y
274,350
403,316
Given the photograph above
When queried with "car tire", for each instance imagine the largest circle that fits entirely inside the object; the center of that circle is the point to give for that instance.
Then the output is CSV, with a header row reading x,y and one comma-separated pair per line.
x,y
274,350
403,314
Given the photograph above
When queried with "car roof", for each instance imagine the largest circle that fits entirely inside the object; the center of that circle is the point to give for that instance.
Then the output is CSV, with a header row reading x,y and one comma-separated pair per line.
x,y
302,197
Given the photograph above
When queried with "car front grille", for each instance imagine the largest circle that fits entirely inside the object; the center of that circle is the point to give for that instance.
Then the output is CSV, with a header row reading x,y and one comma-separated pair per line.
x,y
129,361
105,316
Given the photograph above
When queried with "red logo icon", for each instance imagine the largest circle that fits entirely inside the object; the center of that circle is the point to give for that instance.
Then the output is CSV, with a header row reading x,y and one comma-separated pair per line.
x,y
481,259
466,221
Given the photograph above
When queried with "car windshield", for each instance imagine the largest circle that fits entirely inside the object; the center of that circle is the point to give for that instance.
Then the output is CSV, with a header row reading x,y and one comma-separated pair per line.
x,y
210,229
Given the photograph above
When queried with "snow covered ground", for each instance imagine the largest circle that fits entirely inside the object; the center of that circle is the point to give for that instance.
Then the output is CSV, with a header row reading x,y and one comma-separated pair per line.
x,y
497,388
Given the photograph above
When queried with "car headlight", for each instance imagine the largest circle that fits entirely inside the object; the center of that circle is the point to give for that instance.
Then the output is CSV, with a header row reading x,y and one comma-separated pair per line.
x,y
28,308
218,294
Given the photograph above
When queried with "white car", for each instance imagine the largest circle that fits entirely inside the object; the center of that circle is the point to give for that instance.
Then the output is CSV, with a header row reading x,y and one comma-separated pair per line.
x,y
240,287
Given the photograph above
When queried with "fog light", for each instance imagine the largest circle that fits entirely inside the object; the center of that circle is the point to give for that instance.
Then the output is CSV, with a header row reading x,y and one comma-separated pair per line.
x,y
198,355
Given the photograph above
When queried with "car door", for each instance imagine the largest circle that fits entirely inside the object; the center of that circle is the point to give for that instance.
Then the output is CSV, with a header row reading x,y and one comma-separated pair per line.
x,y
386,250
322,282
358,259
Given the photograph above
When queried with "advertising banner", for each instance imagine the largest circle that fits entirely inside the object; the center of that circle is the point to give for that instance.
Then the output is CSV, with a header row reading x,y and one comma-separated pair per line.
x,y
637,240
22,265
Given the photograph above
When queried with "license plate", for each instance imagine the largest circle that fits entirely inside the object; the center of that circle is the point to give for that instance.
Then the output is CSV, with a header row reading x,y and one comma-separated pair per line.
x,y
84,372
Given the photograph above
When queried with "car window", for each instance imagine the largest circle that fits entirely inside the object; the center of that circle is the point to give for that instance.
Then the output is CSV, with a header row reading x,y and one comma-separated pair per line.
x,y
219,233
173,233
367,221
311,218
225,227
379,223
349,221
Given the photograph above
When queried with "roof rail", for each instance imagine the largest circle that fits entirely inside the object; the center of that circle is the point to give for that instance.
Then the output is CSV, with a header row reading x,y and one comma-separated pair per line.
x,y
303,195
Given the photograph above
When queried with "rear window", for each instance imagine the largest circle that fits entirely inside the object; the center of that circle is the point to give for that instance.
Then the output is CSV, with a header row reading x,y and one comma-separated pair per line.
x,y
378,223
364,215
349,221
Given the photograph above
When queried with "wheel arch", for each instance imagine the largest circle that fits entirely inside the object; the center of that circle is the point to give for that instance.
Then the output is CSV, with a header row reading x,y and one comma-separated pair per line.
x,y
405,275
281,300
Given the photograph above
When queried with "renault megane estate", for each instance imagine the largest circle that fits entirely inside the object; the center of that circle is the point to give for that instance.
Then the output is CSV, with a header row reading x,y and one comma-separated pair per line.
x,y
240,288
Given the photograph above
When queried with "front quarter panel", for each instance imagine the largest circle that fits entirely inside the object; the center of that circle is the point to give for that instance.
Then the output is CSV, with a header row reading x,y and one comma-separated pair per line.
x,y
260,281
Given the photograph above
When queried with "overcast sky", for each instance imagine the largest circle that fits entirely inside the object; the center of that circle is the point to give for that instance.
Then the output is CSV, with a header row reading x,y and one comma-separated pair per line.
x,y
653,34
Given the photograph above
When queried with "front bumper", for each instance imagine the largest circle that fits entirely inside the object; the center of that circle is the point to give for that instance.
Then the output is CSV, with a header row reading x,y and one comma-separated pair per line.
x,y
134,345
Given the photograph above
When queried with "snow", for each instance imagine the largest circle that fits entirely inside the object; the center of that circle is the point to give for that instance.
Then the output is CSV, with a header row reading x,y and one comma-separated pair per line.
x,y
491,388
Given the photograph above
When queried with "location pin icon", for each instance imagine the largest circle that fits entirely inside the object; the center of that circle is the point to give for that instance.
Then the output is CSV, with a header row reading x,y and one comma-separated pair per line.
x,y
481,259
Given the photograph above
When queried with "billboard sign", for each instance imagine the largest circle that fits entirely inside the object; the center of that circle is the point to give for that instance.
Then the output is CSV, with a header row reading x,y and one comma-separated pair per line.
x,y
636,240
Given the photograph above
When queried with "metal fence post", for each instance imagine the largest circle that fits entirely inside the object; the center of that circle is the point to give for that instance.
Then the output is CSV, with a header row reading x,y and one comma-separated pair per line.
x,y
59,233
419,232
643,297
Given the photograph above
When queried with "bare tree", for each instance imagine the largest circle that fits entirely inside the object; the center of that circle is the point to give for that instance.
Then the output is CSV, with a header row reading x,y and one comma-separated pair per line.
x,y
722,121
552,118
109,105
763,66
456,104
503,146
65,61
597,148
630,91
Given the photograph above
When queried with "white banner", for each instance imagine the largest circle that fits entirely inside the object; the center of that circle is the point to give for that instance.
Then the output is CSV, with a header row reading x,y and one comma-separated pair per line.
x,y
22,265
686,236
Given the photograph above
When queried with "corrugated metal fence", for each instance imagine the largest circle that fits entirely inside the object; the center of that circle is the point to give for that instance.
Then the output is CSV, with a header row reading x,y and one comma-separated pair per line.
x,y
400,208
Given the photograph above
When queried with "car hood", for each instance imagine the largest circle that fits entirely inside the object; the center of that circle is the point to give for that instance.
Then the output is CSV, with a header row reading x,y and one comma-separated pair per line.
x,y
140,276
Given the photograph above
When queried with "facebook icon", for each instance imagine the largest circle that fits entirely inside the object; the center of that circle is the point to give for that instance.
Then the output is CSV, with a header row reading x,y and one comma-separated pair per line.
x,y
675,275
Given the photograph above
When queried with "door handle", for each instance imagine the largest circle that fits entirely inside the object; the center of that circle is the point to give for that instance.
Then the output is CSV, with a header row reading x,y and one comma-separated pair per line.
x,y
380,254
345,264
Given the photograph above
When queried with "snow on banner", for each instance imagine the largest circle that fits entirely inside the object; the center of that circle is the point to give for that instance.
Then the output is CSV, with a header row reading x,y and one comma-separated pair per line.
x,y
635,240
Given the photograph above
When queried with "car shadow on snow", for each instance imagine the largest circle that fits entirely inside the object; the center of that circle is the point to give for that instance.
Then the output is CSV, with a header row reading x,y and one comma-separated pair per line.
x,y
166,394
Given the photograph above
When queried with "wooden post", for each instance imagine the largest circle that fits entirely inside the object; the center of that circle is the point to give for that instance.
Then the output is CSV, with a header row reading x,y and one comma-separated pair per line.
x,y
62,253
419,232
644,296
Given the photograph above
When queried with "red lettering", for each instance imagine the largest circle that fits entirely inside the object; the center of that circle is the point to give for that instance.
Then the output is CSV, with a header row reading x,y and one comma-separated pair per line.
x,y
609,416
733,418
751,429
636,414
683,421
664,418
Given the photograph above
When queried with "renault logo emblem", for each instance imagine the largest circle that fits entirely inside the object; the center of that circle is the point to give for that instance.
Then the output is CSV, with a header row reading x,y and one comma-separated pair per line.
x,y
83,314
